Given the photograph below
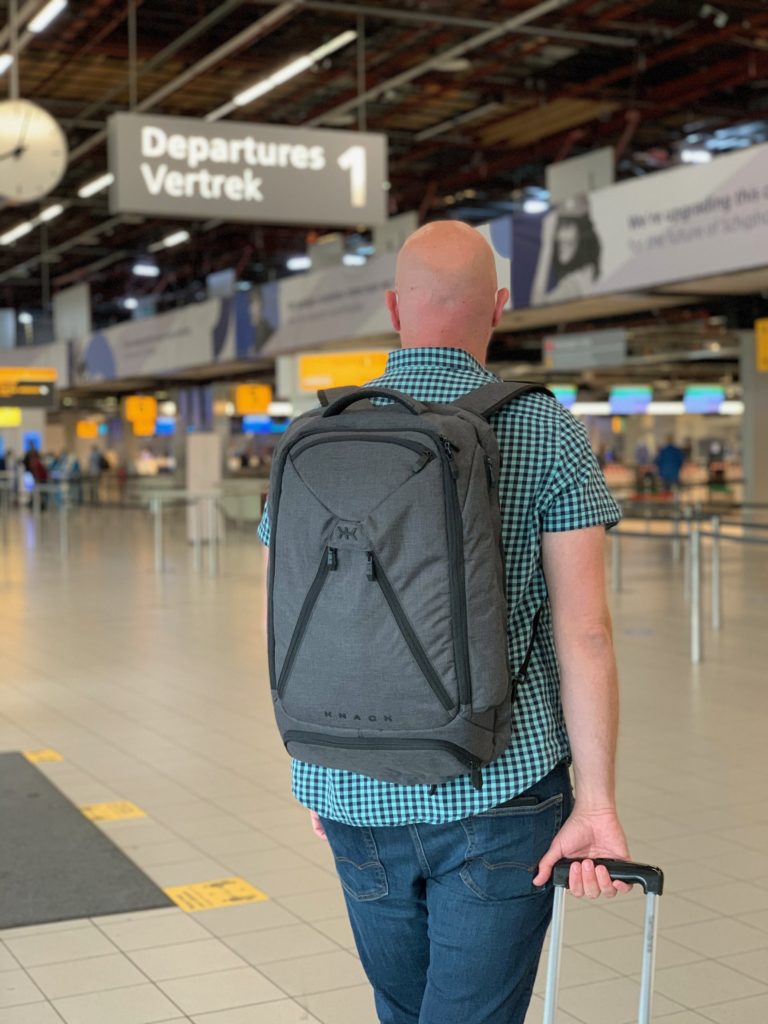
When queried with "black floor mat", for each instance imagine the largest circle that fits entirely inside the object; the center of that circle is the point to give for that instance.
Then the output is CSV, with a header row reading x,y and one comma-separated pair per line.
x,y
55,865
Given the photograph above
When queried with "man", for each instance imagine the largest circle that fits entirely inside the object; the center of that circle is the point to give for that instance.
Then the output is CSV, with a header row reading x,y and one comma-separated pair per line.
x,y
448,890
669,462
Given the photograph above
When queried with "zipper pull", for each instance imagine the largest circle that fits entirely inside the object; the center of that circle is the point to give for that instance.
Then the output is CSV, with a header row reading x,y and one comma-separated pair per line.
x,y
433,790
489,472
371,573
448,448
477,777
332,559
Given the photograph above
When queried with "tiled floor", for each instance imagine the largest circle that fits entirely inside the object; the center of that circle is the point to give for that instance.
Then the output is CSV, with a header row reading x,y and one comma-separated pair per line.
x,y
153,691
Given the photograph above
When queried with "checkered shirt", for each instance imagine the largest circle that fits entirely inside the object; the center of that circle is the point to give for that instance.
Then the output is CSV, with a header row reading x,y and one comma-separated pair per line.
x,y
550,482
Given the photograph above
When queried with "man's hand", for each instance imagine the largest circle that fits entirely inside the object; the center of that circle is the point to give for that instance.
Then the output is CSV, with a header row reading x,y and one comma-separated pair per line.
x,y
317,827
588,834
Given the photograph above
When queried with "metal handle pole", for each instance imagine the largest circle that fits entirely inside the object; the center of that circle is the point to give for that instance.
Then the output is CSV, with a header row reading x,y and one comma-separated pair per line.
x,y
615,563
212,537
694,542
649,958
156,505
717,593
555,956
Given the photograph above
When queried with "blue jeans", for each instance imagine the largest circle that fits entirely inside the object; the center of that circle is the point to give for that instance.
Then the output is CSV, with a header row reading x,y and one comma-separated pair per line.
x,y
447,921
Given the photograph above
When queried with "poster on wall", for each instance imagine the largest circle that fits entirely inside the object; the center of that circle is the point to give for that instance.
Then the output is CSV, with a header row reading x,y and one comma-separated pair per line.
x,y
673,226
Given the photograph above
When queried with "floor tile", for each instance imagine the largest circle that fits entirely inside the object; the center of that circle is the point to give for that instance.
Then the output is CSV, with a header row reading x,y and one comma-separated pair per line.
x,y
280,944
239,920
221,991
7,962
733,898
705,982
320,973
296,882
186,959
338,929
754,963
624,955
718,938
284,1012
575,969
164,931
140,1004
315,906
16,988
611,1002
33,1013
344,1006
60,946
94,974
753,1010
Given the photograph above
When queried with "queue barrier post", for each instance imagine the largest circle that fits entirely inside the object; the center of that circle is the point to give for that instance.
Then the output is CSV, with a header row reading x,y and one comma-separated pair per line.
x,y
694,543
717,591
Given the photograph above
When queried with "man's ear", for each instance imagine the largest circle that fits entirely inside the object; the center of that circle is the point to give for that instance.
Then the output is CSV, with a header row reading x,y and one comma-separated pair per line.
x,y
502,298
394,309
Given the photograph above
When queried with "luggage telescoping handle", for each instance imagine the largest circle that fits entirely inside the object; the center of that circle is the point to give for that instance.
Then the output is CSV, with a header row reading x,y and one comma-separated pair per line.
x,y
411,404
652,881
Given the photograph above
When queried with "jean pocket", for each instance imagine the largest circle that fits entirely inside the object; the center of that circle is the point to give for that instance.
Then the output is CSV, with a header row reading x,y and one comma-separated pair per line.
x,y
358,866
504,848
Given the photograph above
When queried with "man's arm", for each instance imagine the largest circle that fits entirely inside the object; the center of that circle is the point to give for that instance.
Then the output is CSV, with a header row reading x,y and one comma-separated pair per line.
x,y
575,574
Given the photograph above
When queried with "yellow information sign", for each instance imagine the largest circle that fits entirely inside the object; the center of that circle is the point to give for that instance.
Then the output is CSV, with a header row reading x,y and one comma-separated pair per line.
x,y
140,409
118,810
38,756
252,399
27,375
10,416
143,428
340,369
87,430
227,892
761,345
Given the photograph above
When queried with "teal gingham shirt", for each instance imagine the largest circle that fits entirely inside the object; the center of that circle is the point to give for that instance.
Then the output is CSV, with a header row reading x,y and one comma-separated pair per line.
x,y
550,482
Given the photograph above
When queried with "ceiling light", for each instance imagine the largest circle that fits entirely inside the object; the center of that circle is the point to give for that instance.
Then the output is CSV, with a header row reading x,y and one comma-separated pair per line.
x,y
353,259
177,238
298,263
454,66
534,206
591,408
665,408
97,185
695,156
6,59
144,269
43,19
51,213
289,71
25,318
731,408
131,303
280,409
16,233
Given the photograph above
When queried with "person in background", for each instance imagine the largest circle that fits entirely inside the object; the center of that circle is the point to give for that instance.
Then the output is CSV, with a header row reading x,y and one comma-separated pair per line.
x,y
669,462
36,467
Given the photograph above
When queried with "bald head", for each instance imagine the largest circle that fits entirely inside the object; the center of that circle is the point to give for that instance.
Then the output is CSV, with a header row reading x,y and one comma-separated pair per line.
x,y
446,289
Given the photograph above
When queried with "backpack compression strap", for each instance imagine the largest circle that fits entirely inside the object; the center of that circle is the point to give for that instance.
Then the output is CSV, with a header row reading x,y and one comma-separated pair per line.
x,y
488,399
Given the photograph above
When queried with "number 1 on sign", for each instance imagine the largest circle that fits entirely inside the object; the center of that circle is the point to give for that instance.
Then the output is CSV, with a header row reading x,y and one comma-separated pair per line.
x,y
355,161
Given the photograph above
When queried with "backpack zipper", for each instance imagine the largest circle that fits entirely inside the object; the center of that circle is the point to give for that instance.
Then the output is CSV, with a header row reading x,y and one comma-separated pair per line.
x,y
328,563
372,437
375,572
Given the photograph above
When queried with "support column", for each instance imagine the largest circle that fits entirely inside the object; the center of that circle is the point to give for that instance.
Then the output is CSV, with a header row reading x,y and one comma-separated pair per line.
x,y
754,380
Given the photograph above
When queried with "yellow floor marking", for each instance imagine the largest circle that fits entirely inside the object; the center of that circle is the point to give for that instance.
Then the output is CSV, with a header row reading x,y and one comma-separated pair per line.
x,y
37,756
119,810
227,892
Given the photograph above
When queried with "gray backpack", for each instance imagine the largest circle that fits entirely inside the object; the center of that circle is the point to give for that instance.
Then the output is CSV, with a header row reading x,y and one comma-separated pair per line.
x,y
388,651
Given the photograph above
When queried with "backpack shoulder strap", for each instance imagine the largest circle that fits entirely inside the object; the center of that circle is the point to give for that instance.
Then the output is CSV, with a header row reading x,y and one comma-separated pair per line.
x,y
329,395
485,401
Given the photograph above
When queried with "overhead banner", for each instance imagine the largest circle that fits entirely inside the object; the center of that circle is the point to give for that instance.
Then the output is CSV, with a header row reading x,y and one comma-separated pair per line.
x,y
186,168
194,335
669,227
332,305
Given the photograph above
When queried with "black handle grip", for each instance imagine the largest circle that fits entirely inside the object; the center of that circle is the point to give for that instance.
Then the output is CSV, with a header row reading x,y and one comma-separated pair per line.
x,y
651,879
417,408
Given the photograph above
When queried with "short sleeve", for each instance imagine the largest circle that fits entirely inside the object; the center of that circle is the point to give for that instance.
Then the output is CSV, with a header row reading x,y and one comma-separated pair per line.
x,y
263,531
576,495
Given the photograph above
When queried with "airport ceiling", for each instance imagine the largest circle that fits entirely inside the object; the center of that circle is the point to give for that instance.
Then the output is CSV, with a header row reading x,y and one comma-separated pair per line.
x,y
468,135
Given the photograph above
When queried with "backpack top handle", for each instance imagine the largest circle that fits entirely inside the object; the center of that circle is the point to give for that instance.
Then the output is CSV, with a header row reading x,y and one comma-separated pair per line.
x,y
411,404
